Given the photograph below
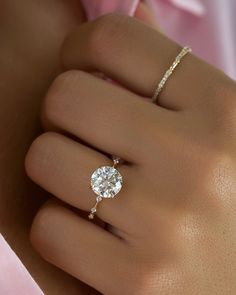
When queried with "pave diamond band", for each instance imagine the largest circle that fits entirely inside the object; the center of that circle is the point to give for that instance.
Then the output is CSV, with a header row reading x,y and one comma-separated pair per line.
x,y
169,72
106,182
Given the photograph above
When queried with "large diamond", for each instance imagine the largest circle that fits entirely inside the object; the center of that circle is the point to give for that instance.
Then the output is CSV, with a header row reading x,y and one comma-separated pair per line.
x,y
106,182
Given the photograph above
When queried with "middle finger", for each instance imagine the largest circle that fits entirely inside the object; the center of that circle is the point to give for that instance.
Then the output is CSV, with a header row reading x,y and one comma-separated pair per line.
x,y
106,116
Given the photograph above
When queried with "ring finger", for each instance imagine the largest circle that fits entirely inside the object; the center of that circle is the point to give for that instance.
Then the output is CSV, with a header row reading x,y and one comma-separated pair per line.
x,y
64,167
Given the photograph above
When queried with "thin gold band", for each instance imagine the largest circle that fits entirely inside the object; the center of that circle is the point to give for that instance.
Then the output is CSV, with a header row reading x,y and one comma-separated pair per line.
x,y
169,72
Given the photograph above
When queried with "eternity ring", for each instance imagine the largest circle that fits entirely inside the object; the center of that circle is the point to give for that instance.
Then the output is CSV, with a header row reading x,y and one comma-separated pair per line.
x,y
170,71
106,183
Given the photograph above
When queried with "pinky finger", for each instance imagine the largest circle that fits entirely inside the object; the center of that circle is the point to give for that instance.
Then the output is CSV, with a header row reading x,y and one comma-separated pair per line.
x,y
80,248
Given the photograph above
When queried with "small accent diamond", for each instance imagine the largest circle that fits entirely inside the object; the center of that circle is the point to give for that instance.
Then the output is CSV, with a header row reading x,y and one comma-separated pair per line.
x,y
91,216
93,210
98,199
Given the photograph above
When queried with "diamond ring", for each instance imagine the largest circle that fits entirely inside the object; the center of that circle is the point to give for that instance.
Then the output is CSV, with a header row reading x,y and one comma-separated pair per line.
x,y
106,183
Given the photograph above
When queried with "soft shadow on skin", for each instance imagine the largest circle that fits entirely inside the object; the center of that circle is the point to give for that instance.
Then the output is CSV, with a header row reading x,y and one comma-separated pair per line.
x,y
31,33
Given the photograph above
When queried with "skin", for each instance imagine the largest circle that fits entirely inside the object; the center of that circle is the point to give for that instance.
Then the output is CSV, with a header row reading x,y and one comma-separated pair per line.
x,y
172,228
31,35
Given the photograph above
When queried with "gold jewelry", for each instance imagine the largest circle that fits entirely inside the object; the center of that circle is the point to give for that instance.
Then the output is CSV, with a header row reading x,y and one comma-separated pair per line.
x,y
170,71
106,182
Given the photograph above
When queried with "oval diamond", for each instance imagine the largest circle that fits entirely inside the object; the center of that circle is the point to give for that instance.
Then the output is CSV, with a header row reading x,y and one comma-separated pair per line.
x,y
106,182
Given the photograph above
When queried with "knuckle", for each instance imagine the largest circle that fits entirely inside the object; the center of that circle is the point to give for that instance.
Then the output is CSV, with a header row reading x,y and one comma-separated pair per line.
x,y
146,278
212,177
39,153
206,174
65,79
107,30
41,229
224,106
219,179
55,100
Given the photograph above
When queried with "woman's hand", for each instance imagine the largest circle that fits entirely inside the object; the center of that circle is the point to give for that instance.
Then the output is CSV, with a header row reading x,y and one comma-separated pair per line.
x,y
172,228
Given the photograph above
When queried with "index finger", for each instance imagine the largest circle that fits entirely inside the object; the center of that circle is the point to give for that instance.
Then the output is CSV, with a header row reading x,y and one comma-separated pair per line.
x,y
136,56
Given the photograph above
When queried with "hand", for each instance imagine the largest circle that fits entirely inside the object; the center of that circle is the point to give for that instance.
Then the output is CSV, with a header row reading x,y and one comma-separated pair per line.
x,y
172,228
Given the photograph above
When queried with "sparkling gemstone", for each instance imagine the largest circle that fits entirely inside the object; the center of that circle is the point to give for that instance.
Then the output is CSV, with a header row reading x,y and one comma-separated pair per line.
x,y
106,182
91,216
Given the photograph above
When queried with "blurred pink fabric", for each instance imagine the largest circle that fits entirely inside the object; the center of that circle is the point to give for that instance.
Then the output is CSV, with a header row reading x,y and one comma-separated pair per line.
x,y
208,26
14,278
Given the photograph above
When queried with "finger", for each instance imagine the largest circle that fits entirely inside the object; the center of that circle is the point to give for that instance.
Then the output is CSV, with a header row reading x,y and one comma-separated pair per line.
x,y
145,14
137,56
64,168
106,116
80,248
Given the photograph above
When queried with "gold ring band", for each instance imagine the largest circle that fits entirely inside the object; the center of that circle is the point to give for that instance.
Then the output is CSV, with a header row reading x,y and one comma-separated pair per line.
x,y
169,72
